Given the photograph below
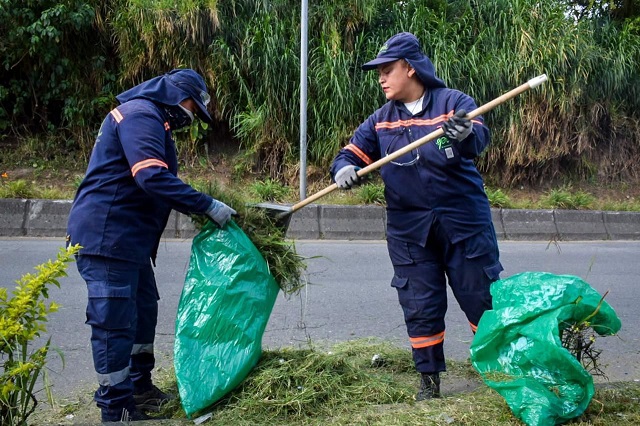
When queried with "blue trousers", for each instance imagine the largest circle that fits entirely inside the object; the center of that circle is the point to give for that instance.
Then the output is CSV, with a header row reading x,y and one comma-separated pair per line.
x,y
122,310
421,275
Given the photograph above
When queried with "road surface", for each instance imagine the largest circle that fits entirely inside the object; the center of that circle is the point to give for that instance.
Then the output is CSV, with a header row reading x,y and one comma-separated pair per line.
x,y
348,296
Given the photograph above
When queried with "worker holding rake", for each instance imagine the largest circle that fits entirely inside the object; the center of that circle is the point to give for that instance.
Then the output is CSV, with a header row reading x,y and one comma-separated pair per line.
x,y
439,225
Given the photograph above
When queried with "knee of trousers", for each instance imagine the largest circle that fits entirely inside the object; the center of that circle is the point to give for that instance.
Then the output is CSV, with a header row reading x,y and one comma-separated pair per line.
x,y
424,308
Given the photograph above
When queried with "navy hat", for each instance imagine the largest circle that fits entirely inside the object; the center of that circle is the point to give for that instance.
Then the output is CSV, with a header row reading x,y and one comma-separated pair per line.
x,y
406,46
400,46
192,84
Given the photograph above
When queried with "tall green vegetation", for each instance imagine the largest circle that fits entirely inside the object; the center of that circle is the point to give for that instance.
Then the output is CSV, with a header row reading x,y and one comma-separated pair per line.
x,y
53,77
584,123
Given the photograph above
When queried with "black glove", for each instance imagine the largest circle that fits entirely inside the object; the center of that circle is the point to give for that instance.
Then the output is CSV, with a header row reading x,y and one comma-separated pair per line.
x,y
458,127
347,177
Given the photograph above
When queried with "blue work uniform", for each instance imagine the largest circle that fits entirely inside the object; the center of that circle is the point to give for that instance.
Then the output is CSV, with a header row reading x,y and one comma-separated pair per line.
x,y
118,215
439,223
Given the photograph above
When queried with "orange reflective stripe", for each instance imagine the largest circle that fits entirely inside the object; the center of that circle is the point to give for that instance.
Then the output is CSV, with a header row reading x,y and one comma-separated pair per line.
x,y
425,341
474,328
357,151
418,122
147,163
116,114
412,122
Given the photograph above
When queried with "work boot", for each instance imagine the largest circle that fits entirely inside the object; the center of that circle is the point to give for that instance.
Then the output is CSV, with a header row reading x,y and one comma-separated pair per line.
x,y
429,386
110,415
151,400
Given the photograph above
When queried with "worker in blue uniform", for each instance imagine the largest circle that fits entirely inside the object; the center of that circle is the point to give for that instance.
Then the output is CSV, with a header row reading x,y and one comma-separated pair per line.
x,y
118,215
439,226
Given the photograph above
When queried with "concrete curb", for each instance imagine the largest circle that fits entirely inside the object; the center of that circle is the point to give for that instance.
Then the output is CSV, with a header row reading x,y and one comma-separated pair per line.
x,y
48,218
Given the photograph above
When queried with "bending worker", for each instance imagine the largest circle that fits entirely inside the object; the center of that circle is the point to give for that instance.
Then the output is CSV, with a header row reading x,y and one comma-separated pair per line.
x,y
118,215
439,224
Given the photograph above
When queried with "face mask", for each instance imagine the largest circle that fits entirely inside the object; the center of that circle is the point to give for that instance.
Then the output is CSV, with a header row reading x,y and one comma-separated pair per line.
x,y
178,116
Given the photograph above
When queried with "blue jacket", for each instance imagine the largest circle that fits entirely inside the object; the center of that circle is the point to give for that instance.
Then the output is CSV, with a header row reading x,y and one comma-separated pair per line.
x,y
439,180
122,206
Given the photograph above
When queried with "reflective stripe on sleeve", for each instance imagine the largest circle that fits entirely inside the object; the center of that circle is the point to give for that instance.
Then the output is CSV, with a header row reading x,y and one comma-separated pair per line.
x,y
357,151
116,115
425,341
147,163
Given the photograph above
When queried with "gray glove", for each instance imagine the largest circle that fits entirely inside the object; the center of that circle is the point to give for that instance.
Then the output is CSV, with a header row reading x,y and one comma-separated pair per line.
x,y
458,127
220,213
347,177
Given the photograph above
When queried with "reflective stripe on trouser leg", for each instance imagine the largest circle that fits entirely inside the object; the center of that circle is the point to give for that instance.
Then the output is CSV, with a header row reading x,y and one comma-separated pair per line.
x,y
142,354
111,313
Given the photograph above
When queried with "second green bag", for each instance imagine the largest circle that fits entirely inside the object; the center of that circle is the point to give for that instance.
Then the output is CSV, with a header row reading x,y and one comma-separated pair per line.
x,y
518,350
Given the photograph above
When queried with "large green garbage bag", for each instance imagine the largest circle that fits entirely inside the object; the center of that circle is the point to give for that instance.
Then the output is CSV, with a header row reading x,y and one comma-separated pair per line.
x,y
224,308
518,351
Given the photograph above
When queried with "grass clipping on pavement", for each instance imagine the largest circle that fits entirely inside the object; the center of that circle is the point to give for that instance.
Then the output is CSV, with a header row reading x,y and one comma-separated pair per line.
x,y
372,382
347,385
269,237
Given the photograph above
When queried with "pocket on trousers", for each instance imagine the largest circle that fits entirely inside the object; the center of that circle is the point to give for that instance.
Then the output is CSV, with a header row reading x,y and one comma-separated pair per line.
x,y
109,307
399,282
481,243
399,252
493,271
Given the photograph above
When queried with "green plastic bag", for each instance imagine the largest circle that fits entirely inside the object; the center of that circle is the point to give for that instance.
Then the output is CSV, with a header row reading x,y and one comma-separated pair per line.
x,y
224,308
518,351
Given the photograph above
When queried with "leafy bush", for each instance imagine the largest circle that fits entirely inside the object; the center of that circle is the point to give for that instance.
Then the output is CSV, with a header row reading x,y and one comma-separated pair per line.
x,y
270,190
22,319
17,189
497,198
564,198
54,72
371,193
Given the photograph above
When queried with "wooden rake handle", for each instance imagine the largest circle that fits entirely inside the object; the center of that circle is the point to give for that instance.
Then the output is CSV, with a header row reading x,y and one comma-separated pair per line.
x,y
534,82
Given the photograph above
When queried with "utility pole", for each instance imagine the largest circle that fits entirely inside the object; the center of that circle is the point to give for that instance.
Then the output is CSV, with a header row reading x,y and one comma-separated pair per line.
x,y
304,46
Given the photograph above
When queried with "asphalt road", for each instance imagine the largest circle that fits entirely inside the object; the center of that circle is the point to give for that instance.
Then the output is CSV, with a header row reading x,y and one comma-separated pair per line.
x,y
348,297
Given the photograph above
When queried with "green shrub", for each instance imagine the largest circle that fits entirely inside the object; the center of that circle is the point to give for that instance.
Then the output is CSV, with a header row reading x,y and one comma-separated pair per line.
x,y
22,319
563,198
371,193
269,190
498,199
17,189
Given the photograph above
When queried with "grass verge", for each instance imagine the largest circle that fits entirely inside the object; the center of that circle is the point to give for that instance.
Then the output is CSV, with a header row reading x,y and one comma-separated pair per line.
x,y
342,386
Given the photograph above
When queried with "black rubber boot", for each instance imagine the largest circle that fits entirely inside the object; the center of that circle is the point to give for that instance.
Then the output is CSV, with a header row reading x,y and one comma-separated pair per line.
x,y
429,386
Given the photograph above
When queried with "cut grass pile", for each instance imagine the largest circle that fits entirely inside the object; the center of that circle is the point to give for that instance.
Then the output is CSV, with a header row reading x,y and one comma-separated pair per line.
x,y
342,386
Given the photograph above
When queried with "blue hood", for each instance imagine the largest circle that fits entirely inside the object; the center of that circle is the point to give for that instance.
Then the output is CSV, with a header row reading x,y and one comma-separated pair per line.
x,y
171,89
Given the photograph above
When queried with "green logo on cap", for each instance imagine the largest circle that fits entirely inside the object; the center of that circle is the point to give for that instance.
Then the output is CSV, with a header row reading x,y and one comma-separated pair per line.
x,y
383,48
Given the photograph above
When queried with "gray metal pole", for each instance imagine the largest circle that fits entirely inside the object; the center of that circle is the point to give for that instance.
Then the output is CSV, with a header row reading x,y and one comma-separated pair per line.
x,y
304,42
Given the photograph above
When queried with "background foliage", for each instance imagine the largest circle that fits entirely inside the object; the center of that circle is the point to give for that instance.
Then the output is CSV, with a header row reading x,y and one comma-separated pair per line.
x,y
63,63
